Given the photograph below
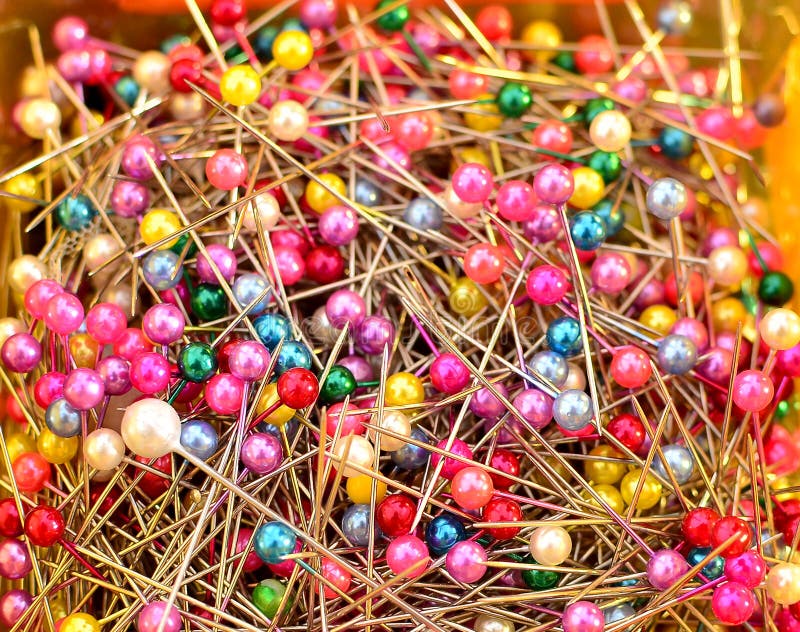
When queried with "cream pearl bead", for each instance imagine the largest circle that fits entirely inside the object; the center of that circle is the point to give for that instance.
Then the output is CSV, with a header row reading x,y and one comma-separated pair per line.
x,y
457,207
265,207
187,107
610,131
780,329
102,476
24,271
489,623
550,546
10,326
151,71
151,428
320,328
104,449
288,120
576,378
99,250
40,116
396,422
783,583
354,450
727,265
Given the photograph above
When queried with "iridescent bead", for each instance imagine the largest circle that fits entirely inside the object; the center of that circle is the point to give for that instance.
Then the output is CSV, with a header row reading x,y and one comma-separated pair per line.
x,y
345,307
62,419
274,540
162,270
422,213
412,457
676,354
675,17
75,212
551,366
675,143
583,616
337,385
572,410
293,354
356,524
466,562
271,329
680,462
666,198
588,230
199,438
665,568
250,286
209,302
373,334
444,532
486,404
613,218
618,613
564,336
367,193
223,258
713,568
535,407
268,596
197,362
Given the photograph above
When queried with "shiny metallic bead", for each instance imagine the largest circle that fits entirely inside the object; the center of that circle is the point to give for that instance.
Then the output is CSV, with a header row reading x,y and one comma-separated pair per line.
x,y
666,198
199,438
423,214
680,462
552,366
162,270
355,524
248,287
676,354
675,17
572,410
367,193
412,457
62,419
618,613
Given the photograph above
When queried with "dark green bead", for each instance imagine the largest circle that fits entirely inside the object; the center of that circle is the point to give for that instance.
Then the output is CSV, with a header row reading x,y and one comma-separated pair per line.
x,y
614,219
540,580
267,597
209,302
565,60
174,40
233,51
197,362
396,19
179,245
339,384
514,99
775,288
675,143
262,42
606,164
594,107
782,410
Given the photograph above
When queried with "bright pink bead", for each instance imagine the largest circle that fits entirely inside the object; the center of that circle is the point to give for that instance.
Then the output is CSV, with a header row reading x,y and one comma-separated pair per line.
x,y
21,353
611,273
373,129
594,55
338,225
105,322
554,136
406,553
582,616
84,389
318,13
547,285
131,343
631,88
64,313
466,562
414,131
484,263
553,184
752,390
163,324
472,487
152,614
48,388
467,85
135,156
70,33
693,329
630,367
396,157
733,603
224,393
788,361
544,224
351,422
472,182
336,575
452,466
449,374
291,265
226,169
345,307
516,201
100,66
748,569
535,406
717,122
223,257
39,294
149,373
